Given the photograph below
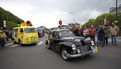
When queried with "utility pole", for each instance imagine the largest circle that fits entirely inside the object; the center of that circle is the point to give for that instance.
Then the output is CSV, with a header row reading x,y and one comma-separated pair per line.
x,y
116,18
73,13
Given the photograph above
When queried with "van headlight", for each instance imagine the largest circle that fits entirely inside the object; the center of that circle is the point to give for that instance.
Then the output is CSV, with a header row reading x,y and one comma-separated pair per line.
x,y
73,47
92,42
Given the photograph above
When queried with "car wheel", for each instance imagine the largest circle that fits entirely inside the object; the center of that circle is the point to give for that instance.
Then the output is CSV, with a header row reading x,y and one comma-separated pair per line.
x,y
64,54
48,44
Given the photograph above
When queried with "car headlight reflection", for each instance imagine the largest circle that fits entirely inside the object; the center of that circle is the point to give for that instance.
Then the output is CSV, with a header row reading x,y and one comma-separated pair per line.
x,y
92,42
92,47
73,47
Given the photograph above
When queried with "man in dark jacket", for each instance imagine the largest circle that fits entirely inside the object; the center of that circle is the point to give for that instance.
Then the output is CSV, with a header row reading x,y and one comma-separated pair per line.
x,y
107,34
101,35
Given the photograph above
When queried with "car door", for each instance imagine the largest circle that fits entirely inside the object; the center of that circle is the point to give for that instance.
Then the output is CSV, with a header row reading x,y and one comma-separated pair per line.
x,y
55,39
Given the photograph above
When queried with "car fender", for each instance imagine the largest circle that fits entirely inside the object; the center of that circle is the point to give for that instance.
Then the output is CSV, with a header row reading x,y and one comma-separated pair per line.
x,y
63,44
68,44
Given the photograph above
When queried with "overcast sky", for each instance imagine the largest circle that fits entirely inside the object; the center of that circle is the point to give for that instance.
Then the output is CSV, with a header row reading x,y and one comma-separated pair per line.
x,y
49,12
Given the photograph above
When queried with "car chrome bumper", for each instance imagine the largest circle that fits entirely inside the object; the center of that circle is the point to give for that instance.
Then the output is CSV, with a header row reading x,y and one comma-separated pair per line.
x,y
80,55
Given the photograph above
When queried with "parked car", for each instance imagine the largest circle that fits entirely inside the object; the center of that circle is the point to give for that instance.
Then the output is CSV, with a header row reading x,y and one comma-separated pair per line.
x,y
69,46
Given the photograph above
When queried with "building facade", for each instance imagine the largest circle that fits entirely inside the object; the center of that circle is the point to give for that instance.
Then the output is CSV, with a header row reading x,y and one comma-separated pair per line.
x,y
113,9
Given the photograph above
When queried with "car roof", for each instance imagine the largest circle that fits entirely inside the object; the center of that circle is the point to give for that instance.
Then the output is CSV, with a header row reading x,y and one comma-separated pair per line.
x,y
24,27
58,30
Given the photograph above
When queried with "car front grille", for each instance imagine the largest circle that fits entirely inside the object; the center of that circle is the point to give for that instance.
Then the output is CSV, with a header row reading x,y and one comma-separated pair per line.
x,y
83,48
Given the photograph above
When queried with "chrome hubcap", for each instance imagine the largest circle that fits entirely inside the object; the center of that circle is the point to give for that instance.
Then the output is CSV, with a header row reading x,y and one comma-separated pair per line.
x,y
64,54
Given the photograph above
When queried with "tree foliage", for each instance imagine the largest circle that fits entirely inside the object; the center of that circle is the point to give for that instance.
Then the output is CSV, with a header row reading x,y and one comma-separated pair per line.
x,y
9,17
11,25
100,20
45,28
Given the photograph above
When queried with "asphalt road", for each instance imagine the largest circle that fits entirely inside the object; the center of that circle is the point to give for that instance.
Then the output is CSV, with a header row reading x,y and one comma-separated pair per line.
x,y
39,57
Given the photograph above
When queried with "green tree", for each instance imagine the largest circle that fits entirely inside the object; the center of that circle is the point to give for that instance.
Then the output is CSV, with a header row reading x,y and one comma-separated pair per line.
x,y
100,20
9,17
45,28
90,22
11,25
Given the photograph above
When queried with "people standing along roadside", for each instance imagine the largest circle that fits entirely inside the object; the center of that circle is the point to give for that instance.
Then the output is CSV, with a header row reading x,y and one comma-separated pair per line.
x,y
85,32
76,31
107,34
2,38
7,35
80,32
113,31
92,32
101,35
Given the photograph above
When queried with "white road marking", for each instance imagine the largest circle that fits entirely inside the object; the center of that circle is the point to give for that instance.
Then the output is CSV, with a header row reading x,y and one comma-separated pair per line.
x,y
14,45
40,42
8,44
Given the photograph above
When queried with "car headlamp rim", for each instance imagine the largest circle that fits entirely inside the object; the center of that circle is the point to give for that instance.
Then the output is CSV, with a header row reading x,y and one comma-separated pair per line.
x,y
73,47
92,42
92,47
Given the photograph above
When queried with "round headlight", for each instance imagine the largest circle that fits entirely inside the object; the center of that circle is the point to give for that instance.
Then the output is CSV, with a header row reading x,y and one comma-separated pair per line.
x,y
73,47
91,47
92,42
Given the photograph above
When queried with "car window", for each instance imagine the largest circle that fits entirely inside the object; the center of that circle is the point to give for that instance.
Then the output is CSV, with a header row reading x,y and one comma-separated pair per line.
x,y
55,35
65,33
30,30
21,30
15,32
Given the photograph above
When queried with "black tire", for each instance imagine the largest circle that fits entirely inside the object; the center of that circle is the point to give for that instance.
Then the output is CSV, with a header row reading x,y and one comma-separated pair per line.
x,y
64,54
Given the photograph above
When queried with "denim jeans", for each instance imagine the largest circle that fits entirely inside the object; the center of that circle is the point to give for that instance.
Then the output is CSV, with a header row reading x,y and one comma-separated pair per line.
x,y
93,37
105,40
114,40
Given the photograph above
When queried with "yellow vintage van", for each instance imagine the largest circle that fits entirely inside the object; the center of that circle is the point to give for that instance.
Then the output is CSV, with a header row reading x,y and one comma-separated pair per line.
x,y
25,35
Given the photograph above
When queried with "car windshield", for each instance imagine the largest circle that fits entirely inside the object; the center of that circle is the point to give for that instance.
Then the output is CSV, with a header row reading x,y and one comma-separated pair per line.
x,y
65,33
29,30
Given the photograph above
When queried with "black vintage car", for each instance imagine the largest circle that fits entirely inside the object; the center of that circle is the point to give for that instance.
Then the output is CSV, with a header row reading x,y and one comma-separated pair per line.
x,y
69,46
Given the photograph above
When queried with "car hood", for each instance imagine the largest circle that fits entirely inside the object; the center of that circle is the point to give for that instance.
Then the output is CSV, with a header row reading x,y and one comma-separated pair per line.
x,y
74,39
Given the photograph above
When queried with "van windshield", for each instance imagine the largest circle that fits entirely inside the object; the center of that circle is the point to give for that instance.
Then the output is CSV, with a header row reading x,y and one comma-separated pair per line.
x,y
29,30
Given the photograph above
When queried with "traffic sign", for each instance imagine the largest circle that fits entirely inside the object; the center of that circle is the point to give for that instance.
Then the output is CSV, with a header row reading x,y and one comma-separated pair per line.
x,y
60,22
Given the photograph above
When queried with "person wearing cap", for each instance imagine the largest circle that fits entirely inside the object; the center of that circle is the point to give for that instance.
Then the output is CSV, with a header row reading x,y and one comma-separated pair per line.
x,y
2,39
114,30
